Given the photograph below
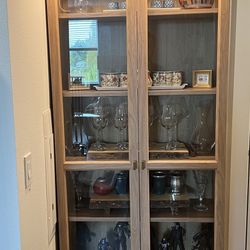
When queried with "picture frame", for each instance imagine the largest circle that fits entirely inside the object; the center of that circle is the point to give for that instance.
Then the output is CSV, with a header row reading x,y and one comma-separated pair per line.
x,y
202,79
76,83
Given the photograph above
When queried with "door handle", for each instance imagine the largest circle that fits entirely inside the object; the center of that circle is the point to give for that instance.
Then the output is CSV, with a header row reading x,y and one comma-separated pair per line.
x,y
143,165
135,165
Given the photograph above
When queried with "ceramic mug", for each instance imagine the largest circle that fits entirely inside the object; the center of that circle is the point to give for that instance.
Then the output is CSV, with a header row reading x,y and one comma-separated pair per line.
x,y
156,4
123,80
158,183
177,78
161,78
109,80
168,4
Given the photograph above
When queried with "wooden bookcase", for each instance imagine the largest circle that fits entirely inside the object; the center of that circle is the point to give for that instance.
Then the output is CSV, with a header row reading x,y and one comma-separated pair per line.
x,y
137,40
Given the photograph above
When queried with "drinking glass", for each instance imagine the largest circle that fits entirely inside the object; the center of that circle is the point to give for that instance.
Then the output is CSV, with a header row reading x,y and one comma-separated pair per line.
x,y
99,122
81,5
121,123
169,121
201,181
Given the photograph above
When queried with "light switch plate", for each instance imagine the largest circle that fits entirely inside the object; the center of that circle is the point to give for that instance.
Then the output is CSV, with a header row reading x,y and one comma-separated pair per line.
x,y
27,171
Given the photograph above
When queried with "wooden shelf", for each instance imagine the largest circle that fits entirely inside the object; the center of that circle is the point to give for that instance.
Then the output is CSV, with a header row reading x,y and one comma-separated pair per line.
x,y
78,164
184,214
180,11
99,215
187,91
94,15
202,162
91,93
151,12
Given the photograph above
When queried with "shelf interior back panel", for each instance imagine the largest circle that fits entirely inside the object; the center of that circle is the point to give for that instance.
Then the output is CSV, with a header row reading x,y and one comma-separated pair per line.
x,y
183,43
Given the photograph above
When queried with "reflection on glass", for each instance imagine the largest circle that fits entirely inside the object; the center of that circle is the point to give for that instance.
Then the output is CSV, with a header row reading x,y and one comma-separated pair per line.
x,y
181,127
98,193
83,49
96,128
112,235
174,193
181,236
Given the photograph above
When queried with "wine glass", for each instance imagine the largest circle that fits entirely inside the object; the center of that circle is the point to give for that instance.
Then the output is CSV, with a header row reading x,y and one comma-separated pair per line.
x,y
201,181
121,123
99,122
81,5
169,121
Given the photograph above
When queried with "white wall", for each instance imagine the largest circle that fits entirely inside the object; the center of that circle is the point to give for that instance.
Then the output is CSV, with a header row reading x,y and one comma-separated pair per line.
x,y
9,235
240,135
28,56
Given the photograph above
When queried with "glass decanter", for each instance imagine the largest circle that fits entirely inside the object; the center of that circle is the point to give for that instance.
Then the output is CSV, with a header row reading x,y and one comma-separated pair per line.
x,y
202,139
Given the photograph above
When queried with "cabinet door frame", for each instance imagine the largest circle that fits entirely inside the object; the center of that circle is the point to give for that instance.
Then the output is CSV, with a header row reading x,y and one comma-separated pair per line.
x,y
62,164
221,163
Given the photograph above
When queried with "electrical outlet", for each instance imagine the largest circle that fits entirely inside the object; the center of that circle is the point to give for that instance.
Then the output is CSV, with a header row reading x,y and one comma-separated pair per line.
x,y
27,171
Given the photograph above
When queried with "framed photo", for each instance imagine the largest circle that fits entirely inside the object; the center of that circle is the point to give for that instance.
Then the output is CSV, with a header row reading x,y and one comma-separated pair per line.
x,y
76,83
202,78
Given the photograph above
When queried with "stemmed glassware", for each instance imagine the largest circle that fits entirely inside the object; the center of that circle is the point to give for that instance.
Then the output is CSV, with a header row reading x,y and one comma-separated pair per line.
x,y
201,181
169,121
100,121
121,123
81,5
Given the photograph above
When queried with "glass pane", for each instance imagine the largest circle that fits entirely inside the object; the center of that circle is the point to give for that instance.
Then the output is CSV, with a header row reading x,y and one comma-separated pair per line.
x,y
83,65
178,45
83,34
96,128
182,236
185,195
92,6
94,56
178,197
98,203
100,235
181,127
98,194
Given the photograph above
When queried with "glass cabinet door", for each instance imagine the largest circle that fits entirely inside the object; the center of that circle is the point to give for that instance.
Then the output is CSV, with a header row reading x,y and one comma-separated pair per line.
x,y
139,115
94,97
99,209
180,129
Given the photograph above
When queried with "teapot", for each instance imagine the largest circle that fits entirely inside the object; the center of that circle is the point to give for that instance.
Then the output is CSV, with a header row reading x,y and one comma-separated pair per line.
x,y
102,186
119,182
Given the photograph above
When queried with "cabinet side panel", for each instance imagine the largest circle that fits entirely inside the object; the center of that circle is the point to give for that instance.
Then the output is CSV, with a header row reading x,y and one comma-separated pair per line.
x,y
223,171
55,74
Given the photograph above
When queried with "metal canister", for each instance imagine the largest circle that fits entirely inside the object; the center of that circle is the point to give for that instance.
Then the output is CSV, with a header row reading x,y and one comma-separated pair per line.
x,y
177,183
158,183
121,185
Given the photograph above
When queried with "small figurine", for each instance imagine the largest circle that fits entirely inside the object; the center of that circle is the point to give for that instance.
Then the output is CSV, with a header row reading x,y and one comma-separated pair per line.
x,y
83,235
176,236
121,230
203,239
104,244
164,245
